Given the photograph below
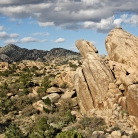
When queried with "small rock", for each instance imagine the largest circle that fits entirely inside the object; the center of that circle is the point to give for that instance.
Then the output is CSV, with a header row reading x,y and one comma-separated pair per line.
x,y
53,90
116,134
54,97
95,134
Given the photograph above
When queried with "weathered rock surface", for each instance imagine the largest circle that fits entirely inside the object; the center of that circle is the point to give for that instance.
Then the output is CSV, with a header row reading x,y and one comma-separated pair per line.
x,y
108,87
54,97
92,80
122,48
53,90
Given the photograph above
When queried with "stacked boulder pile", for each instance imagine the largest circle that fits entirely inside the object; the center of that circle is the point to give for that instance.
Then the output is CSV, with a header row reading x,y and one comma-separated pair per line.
x,y
108,87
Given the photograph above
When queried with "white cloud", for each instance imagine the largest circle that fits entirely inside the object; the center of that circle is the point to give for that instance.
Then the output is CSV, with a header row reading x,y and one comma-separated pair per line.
x,y
42,41
105,25
3,35
60,40
14,35
132,20
11,41
28,39
41,33
46,24
1,28
69,14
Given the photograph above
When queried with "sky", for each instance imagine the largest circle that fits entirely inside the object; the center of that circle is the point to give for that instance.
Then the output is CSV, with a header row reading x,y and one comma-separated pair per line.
x,y
47,24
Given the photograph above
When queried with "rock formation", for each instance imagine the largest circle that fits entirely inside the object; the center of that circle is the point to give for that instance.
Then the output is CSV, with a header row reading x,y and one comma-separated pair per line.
x,y
109,85
92,79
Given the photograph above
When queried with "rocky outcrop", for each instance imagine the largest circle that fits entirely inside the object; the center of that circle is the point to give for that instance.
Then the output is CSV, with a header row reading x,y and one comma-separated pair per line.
x,y
92,80
108,86
122,48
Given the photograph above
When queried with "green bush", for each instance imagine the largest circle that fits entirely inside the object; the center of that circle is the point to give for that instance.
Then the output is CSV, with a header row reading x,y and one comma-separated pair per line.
x,y
115,128
69,134
46,83
134,135
46,110
6,73
25,91
34,68
6,105
13,132
43,130
69,117
73,66
4,85
47,101
25,79
2,94
91,124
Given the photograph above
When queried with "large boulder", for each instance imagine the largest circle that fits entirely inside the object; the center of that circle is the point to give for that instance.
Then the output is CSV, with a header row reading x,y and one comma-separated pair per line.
x,y
92,80
122,47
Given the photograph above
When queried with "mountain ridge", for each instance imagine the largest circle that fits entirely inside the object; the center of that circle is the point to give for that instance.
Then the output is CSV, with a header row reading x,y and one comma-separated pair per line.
x,y
13,53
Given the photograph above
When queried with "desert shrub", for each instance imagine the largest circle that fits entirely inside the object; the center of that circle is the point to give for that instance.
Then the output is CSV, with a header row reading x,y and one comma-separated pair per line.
x,y
29,110
13,132
69,134
2,93
46,83
38,74
41,91
23,101
4,85
4,125
64,85
69,117
66,104
24,79
25,91
6,73
14,87
6,105
73,66
64,62
26,69
80,63
46,110
134,135
34,68
43,130
124,112
91,124
52,75
115,128
47,101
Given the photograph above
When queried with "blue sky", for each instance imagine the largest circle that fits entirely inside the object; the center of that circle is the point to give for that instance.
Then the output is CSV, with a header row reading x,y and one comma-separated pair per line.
x,y
47,24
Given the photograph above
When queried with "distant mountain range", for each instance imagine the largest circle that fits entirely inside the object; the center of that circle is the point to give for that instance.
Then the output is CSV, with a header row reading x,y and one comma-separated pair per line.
x,y
12,53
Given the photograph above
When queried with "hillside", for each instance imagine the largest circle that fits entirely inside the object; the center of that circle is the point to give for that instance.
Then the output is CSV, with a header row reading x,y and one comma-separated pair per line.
x,y
12,53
